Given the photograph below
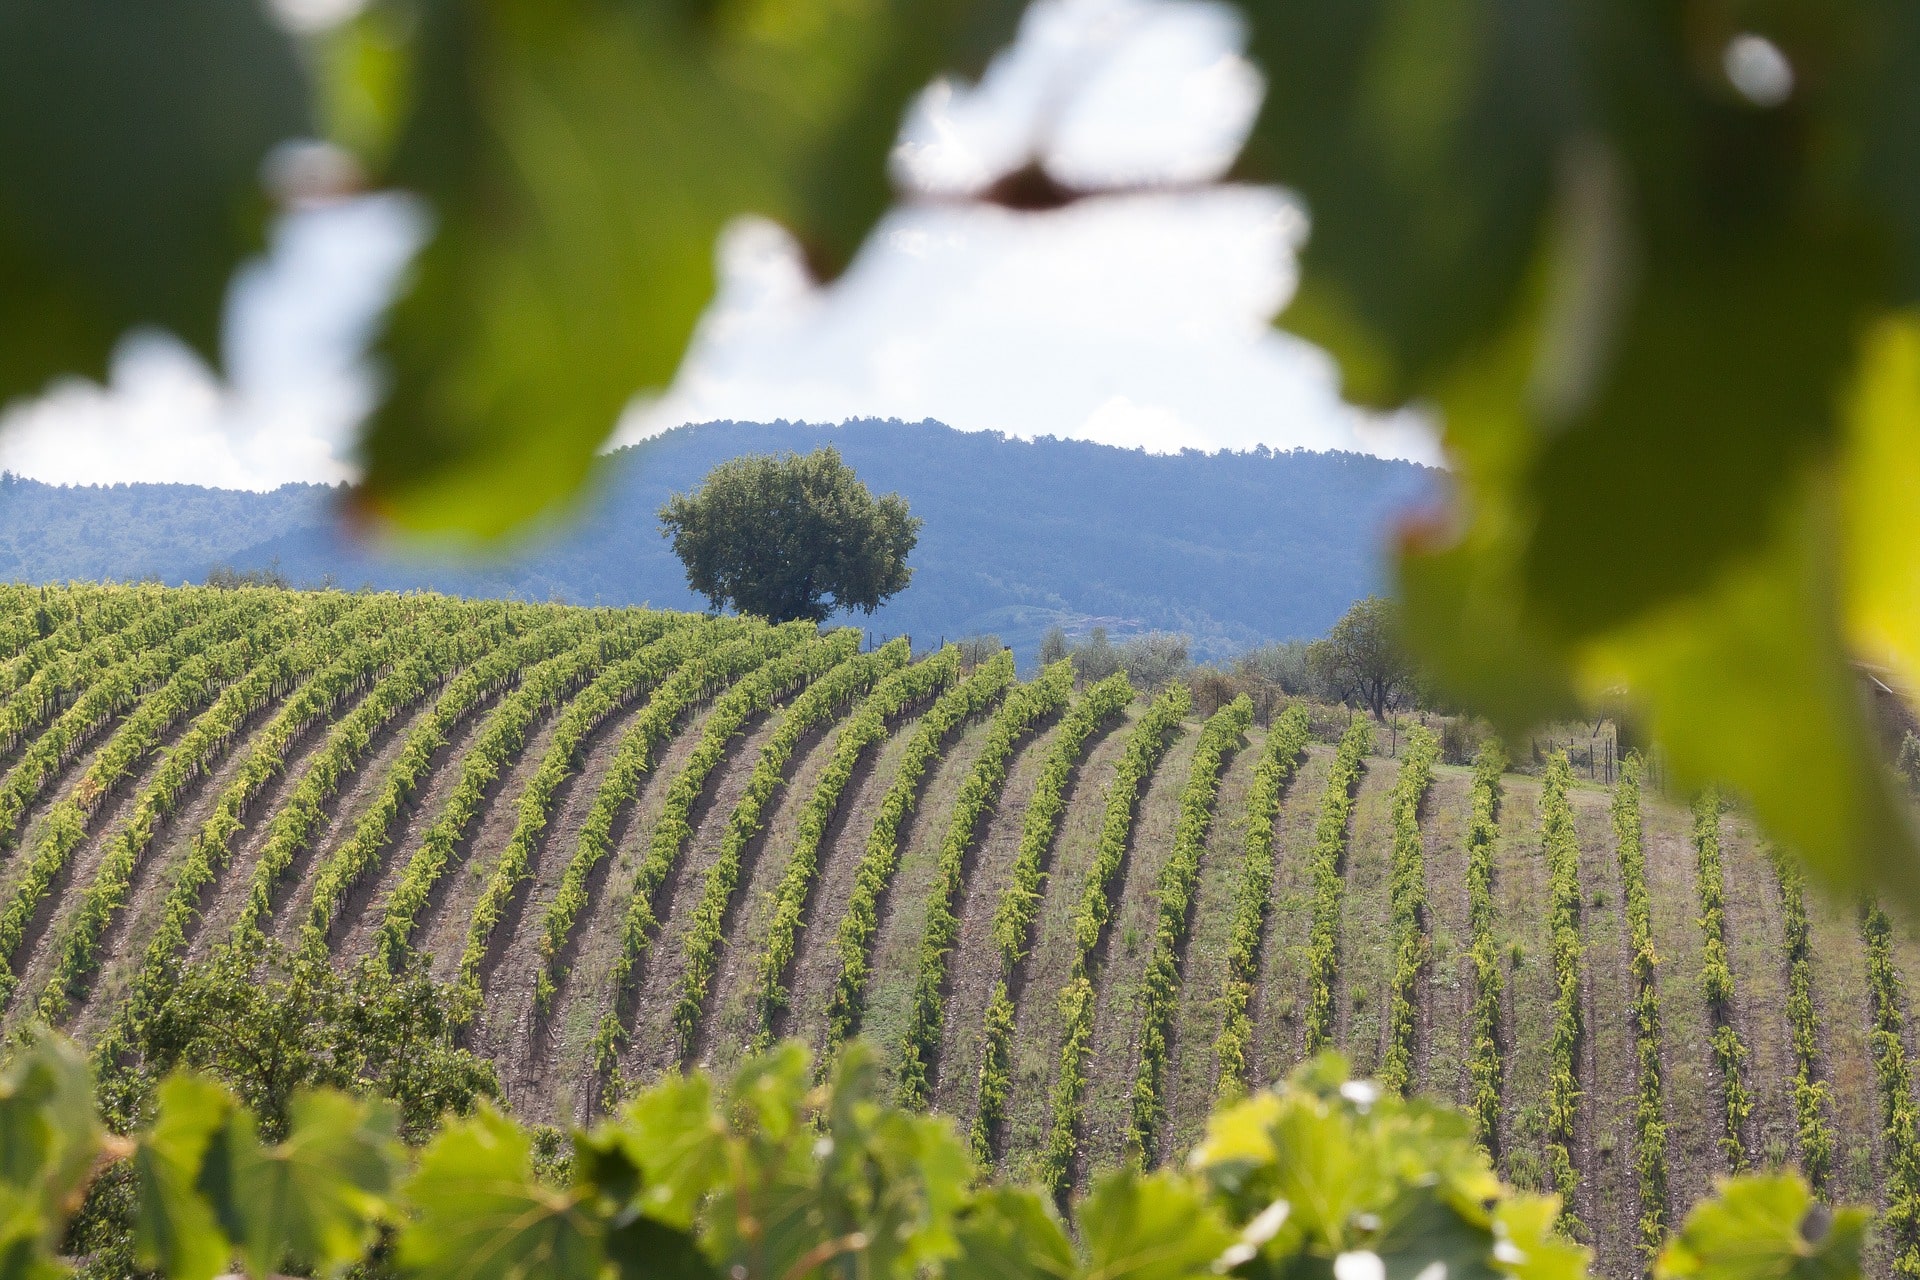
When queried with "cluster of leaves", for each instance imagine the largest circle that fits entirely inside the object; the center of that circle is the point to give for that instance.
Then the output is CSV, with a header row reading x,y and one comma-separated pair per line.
x,y
1899,1122
1485,1068
212,733
1022,713
611,690
495,748
1650,1115
854,942
100,626
753,694
1811,1095
464,694
1716,978
822,700
864,730
1152,734
1560,845
1407,892
1286,744
1018,908
1221,736
1329,885
632,760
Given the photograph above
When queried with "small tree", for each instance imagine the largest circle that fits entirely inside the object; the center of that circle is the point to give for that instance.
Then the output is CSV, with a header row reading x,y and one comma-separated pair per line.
x,y
1362,657
791,537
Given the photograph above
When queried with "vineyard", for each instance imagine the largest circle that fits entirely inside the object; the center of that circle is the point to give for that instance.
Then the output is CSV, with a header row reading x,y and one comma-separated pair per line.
x,y
1072,917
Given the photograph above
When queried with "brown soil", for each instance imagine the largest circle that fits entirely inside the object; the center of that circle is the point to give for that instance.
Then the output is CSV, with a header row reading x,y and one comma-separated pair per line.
x,y
1520,899
1447,987
1609,1199
1361,988
1756,949
15,855
1279,1005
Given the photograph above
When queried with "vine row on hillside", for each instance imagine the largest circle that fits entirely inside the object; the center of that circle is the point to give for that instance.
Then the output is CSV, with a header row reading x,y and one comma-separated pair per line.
x,y
1561,846
358,855
495,749
862,732
632,760
1485,1071
1329,885
93,633
822,700
1286,745
211,735
1899,1124
612,690
853,943
1220,737
754,694
1716,979
1019,903
1151,736
1018,717
1649,1116
1812,1096
1407,895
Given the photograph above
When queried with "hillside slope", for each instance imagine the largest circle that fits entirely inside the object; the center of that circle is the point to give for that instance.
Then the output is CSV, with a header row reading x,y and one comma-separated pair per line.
x,y
1234,549
646,839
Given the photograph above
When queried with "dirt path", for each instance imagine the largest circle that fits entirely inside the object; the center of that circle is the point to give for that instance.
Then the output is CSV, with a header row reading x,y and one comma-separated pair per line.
x,y
1447,990
15,855
1036,1040
1366,919
1115,1055
1756,950
903,909
1609,1066
1279,1006
973,968
1520,899
1191,1077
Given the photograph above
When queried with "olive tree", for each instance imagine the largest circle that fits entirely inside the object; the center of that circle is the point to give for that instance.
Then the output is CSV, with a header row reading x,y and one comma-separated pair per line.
x,y
795,536
1363,658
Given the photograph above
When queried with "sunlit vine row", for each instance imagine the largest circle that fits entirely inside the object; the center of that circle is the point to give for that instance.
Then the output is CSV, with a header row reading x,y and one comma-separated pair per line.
x,y
1329,885
1812,1096
1485,1069
1407,895
1561,846
1716,979
1649,1116
1899,1120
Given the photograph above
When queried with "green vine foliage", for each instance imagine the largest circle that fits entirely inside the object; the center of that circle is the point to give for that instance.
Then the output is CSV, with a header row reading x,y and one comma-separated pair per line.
x,y
1485,1066
1329,885
1220,737
1561,846
1899,1121
1650,1116
1286,746
1019,904
1812,1095
1716,979
856,739
1021,714
1152,734
1407,894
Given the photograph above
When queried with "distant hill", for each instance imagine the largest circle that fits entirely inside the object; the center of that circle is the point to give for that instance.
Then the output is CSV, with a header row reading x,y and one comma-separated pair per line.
x,y
1234,549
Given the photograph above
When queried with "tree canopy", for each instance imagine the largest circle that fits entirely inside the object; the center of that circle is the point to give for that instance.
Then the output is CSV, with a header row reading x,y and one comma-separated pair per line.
x,y
795,536
1364,657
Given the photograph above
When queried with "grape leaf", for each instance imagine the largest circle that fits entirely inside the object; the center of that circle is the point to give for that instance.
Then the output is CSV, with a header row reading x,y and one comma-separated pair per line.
x,y
1149,1227
174,1227
1011,1233
1765,1227
49,1139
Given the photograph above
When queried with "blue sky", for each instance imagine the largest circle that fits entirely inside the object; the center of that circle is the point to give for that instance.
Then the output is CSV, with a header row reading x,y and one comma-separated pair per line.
x,y
1140,319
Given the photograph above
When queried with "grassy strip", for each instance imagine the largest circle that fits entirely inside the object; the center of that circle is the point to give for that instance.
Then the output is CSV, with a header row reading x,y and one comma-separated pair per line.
x,y
1649,1118
854,942
753,694
632,760
277,664
1561,846
361,852
1486,1071
1900,1128
365,641
1407,892
1149,741
1811,1095
1716,979
1329,885
1220,737
1286,746
866,728
811,709
1019,905
1018,717
614,688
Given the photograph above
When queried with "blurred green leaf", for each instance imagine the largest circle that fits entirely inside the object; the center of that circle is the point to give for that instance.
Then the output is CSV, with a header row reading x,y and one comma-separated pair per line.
x,y
49,1140
1011,1233
1765,1228
1138,1226
133,136
175,1231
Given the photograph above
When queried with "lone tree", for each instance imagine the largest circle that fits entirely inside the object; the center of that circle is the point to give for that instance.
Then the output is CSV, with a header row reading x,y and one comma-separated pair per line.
x,y
1362,657
791,537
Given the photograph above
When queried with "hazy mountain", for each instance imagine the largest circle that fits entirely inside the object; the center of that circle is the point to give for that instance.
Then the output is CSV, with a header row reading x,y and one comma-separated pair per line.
x,y
1232,548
